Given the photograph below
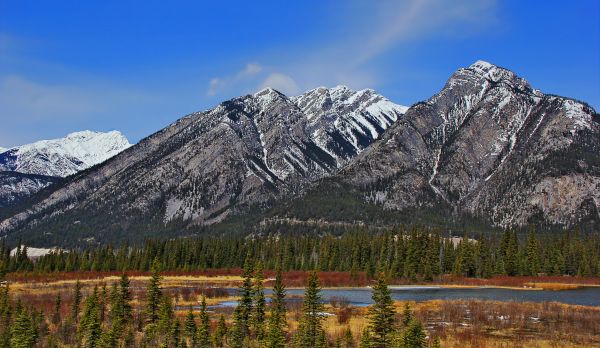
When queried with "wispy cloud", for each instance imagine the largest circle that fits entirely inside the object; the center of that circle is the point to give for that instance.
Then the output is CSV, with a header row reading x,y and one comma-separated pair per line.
x,y
282,83
347,57
220,84
30,109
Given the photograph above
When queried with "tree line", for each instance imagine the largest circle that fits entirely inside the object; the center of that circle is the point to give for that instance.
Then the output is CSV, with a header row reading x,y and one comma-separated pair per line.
x,y
108,318
415,253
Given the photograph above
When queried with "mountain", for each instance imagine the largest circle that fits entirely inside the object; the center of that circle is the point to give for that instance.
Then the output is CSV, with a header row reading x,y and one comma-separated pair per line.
x,y
246,153
489,146
65,156
17,186
25,170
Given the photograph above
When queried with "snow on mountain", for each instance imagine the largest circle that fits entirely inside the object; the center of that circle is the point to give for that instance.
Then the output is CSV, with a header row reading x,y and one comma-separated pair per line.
x,y
344,122
65,156
247,152
2,149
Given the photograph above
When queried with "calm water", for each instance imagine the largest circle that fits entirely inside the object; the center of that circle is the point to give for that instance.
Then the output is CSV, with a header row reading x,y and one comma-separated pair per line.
x,y
362,296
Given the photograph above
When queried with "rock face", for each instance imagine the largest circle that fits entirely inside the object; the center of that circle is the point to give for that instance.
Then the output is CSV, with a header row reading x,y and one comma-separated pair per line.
x,y
490,145
16,186
246,152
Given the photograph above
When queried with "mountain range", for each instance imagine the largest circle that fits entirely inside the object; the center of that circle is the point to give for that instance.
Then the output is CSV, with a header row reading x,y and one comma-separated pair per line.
x,y
27,169
487,146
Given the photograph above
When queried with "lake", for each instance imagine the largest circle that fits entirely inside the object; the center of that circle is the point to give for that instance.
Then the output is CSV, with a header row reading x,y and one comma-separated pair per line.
x,y
587,296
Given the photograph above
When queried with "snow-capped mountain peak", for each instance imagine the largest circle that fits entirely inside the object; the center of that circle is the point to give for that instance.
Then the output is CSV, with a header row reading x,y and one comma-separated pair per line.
x,y
65,156
353,118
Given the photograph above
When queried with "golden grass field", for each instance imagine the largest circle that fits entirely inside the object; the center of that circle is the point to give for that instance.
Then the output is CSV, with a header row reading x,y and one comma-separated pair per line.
x,y
464,323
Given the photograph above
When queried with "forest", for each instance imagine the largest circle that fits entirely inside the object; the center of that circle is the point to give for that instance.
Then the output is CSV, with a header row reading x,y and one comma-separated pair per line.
x,y
413,253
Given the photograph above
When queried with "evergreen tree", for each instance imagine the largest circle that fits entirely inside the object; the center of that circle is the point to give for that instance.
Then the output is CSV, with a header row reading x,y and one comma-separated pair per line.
x,y
414,335
407,315
90,328
22,330
56,312
243,310
381,315
220,337
153,293
165,322
532,254
365,340
310,326
277,320
204,327
191,328
76,301
257,318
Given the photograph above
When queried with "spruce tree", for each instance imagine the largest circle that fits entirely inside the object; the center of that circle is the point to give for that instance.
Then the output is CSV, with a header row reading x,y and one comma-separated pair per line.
x,y
277,320
310,326
407,315
220,337
153,294
76,301
22,330
532,254
204,327
90,328
191,328
414,336
242,312
381,315
56,312
257,317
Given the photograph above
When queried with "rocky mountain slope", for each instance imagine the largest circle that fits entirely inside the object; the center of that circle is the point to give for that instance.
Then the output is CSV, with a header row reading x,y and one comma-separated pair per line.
x,y
65,156
247,152
17,186
490,145
24,170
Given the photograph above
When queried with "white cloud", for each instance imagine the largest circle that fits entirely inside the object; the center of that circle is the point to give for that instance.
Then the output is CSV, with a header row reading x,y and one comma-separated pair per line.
x,y
31,110
21,97
395,22
282,83
217,85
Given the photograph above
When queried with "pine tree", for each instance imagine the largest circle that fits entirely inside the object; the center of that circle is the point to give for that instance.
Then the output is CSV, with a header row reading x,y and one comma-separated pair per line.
x,y
310,325
365,340
165,321
204,327
381,315
407,315
257,317
414,335
221,333
241,315
277,320
76,301
175,334
90,328
56,312
153,293
191,328
22,330
532,254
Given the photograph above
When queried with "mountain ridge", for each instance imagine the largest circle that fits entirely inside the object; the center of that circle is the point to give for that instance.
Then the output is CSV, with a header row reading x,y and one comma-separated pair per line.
x,y
487,145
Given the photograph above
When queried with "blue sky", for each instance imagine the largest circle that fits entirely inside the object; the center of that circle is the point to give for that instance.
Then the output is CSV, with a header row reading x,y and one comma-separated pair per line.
x,y
137,66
